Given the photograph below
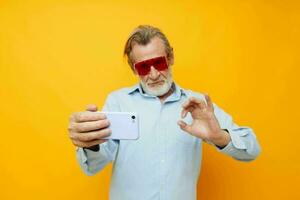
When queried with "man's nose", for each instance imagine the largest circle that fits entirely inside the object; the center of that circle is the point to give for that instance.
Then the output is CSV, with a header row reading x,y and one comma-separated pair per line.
x,y
153,74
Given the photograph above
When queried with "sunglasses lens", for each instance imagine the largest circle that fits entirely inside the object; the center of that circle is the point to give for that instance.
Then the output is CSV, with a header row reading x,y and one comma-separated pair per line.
x,y
143,67
160,63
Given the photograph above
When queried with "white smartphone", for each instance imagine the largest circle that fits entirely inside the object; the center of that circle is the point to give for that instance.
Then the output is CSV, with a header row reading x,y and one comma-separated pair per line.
x,y
123,125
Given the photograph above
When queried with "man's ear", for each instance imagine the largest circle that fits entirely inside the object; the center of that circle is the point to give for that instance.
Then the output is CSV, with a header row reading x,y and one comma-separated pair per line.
x,y
171,61
171,58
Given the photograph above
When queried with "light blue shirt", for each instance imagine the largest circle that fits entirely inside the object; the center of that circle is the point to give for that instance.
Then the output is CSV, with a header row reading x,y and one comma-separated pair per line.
x,y
164,163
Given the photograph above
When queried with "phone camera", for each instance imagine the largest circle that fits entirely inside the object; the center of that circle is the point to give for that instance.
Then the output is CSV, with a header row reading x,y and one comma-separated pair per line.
x,y
132,117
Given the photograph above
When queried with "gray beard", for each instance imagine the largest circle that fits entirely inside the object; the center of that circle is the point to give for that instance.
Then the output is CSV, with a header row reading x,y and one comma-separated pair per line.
x,y
159,91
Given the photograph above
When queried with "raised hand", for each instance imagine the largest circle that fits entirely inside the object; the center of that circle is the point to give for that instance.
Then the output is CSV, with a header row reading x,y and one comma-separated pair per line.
x,y
205,124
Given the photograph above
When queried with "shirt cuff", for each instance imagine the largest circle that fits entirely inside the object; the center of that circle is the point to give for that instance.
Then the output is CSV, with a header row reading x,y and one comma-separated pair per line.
x,y
84,154
235,143
81,155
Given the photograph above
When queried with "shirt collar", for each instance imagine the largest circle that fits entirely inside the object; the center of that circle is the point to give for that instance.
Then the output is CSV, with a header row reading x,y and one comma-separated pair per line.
x,y
135,88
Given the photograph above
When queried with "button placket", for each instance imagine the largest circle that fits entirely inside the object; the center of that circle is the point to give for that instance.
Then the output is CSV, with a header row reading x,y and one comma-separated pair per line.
x,y
159,133
163,144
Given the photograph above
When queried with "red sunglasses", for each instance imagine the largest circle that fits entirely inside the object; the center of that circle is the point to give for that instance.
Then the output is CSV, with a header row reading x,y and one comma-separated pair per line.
x,y
144,67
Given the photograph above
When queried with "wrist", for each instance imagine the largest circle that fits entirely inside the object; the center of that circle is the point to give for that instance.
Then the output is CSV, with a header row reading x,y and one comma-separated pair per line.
x,y
222,139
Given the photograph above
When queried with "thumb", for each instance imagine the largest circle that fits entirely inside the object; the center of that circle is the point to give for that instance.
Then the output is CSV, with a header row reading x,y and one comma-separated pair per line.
x,y
184,126
91,107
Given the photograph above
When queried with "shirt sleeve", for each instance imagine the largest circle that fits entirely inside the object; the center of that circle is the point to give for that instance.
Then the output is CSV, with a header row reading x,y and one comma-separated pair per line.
x,y
243,145
92,162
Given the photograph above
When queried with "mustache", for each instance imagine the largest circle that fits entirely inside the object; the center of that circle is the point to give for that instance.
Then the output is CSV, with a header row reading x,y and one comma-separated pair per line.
x,y
155,82
162,78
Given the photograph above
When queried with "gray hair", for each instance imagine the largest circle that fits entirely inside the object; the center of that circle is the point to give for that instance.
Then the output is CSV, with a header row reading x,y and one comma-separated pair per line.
x,y
142,35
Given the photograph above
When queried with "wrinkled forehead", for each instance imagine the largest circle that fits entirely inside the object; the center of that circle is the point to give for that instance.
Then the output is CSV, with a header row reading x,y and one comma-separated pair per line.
x,y
151,61
155,48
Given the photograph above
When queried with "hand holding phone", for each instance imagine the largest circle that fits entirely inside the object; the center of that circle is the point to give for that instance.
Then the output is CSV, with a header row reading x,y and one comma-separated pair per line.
x,y
91,127
88,128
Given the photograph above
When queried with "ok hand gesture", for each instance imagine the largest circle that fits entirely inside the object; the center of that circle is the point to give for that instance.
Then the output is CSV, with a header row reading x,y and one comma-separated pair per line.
x,y
205,124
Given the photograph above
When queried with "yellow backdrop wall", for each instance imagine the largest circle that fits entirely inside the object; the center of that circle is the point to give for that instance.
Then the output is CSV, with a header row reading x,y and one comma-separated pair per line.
x,y
58,56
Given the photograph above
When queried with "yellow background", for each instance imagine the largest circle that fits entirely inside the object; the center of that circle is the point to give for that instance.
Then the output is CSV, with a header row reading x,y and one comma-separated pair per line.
x,y
58,56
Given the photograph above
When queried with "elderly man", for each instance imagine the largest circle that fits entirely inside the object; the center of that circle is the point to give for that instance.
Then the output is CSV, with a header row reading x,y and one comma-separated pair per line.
x,y
164,163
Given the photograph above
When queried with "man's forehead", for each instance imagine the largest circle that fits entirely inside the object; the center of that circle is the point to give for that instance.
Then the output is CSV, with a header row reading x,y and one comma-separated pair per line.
x,y
154,48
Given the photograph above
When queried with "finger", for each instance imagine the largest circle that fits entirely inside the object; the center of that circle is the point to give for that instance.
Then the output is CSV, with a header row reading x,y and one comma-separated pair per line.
x,y
91,107
185,111
72,117
184,126
194,101
89,126
186,103
208,101
191,104
88,116
199,102
93,135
